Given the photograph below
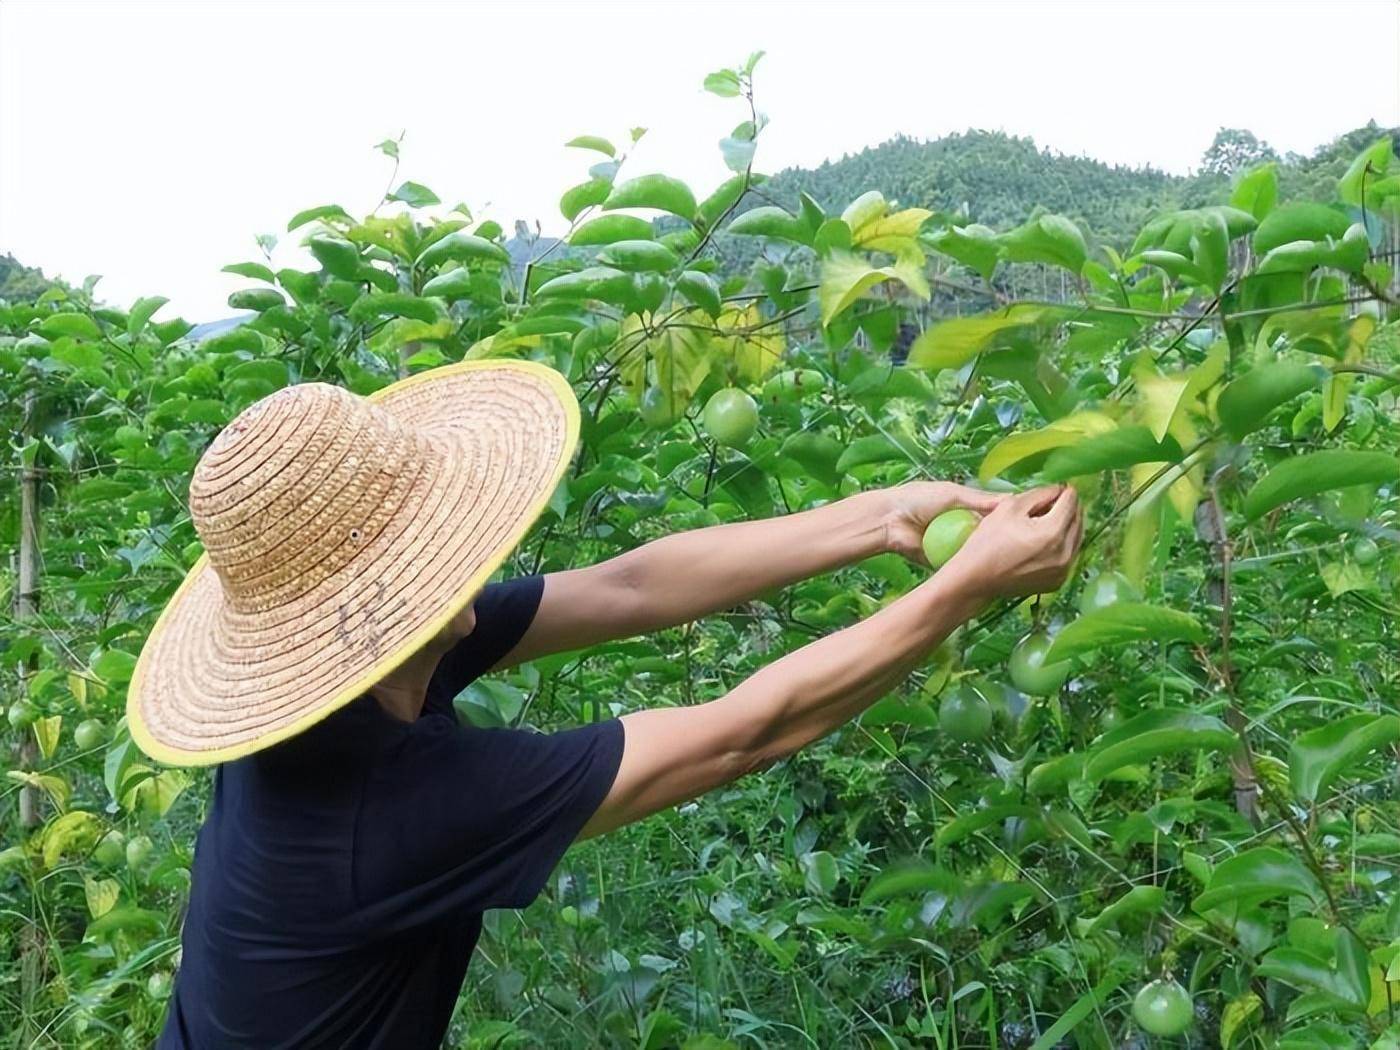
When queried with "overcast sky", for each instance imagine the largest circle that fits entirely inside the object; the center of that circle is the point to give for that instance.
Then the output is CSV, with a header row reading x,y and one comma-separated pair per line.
x,y
150,142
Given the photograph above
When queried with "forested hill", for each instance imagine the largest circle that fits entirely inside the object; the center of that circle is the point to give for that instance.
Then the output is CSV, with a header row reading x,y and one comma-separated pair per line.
x,y
998,179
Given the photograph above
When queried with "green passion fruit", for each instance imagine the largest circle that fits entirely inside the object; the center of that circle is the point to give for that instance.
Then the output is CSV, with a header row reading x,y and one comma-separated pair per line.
x,y
946,534
1365,551
111,849
89,734
138,851
792,386
1029,671
731,417
965,715
1105,589
1163,1008
22,714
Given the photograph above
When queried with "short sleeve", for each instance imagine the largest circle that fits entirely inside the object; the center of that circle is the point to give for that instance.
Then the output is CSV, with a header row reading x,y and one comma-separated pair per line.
x,y
504,612
456,817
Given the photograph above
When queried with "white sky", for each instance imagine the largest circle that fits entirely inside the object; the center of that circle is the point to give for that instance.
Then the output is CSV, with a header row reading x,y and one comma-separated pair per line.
x,y
149,142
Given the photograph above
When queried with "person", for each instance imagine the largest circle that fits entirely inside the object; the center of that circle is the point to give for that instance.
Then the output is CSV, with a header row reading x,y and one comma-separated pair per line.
x,y
357,831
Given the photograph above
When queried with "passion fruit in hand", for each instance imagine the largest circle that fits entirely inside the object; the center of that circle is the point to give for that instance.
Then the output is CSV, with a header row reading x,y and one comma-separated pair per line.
x,y
965,715
731,417
946,534
1163,1008
1029,671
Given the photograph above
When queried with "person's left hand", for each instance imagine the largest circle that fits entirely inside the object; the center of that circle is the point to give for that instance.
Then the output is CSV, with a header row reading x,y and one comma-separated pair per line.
x,y
910,507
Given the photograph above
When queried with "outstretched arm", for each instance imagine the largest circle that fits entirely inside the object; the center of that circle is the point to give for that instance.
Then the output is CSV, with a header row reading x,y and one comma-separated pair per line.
x,y
688,575
1026,545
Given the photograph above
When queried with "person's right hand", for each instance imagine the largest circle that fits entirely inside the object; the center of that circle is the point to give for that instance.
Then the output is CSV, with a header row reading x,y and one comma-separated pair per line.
x,y
1026,545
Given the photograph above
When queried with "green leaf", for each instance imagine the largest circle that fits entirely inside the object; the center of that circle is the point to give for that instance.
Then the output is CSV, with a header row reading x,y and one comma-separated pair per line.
x,y
1349,981
1122,624
258,299
639,256
846,277
1112,450
257,271
1257,875
1257,190
415,195
975,246
325,211
592,142
584,195
772,221
1348,254
873,448
1315,472
820,872
594,282
724,83
1140,900
114,667
1153,734
817,454
970,823
607,229
1090,1002
906,877
461,247
700,289
142,311
1246,403
653,191
77,326
1299,222
369,307
1051,239
956,341
337,256
459,283
1357,186
1318,756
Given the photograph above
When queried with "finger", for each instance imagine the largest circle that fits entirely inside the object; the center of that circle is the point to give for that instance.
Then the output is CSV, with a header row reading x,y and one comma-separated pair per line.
x,y
1064,510
966,497
1035,502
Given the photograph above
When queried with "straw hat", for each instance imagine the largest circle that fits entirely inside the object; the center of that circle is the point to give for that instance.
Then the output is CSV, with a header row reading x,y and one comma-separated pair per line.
x,y
341,533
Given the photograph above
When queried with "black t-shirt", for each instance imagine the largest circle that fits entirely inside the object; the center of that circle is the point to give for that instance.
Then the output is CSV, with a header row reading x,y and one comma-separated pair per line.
x,y
340,876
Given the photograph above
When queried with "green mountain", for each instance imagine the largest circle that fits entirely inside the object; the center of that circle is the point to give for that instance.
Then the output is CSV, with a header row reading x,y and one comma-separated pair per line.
x,y
999,179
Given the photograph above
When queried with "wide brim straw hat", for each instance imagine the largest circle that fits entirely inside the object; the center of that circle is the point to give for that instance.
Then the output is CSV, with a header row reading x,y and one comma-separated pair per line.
x,y
341,533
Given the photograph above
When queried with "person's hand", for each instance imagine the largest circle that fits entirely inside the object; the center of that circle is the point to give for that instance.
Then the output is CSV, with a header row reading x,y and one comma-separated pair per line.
x,y
910,507
1025,545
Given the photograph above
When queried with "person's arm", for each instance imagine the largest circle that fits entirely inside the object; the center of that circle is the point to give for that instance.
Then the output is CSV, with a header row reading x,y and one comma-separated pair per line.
x,y
688,575
1025,546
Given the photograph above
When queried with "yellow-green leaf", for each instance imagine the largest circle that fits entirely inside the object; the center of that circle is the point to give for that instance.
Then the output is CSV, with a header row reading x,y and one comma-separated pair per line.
x,y
46,732
101,895
73,832
50,783
1237,1013
953,343
890,233
846,277
1068,430
756,349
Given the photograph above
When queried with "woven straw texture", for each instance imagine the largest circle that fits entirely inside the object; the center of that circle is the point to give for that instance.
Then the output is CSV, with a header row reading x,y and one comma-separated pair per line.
x,y
340,534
